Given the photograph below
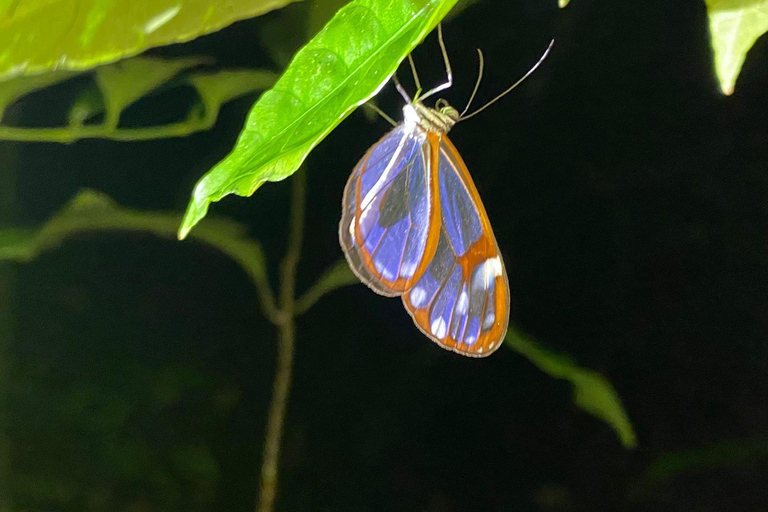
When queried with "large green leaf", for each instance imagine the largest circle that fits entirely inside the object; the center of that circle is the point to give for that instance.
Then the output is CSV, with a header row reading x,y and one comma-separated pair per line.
x,y
734,26
41,35
342,67
591,391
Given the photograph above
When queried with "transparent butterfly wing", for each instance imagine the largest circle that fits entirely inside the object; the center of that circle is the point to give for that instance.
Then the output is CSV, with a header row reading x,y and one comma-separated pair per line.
x,y
461,301
387,212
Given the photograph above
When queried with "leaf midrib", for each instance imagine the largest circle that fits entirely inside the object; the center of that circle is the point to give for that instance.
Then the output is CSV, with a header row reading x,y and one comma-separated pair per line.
x,y
330,94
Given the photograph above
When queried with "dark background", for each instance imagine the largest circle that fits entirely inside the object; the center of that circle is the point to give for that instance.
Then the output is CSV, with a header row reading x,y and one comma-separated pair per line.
x,y
628,197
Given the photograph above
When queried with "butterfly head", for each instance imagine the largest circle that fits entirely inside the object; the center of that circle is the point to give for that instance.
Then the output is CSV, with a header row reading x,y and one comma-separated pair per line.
x,y
439,119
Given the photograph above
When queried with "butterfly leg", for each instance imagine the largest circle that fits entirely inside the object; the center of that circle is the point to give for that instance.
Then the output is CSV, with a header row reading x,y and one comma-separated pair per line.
x,y
371,105
400,89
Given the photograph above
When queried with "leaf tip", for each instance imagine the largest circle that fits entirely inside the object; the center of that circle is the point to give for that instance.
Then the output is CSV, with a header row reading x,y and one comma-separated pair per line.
x,y
562,3
194,214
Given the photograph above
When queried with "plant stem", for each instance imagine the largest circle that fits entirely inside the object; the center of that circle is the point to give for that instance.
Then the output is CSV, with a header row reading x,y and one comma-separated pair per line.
x,y
285,350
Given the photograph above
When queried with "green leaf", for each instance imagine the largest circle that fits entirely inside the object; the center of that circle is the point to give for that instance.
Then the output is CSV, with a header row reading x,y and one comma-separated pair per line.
x,y
219,87
41,35
562,3
346,64
592,391
337,276
734,26
12,90
118,85
723,454
88,104
126,81
92,211
661,474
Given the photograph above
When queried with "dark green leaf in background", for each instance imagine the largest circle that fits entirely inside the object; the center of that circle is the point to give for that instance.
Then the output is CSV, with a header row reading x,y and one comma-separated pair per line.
x,y
126,81
338,70
592,392
12,90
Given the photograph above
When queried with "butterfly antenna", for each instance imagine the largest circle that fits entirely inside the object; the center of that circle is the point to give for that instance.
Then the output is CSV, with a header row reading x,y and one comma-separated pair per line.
x,y
448,70
497,98
480,66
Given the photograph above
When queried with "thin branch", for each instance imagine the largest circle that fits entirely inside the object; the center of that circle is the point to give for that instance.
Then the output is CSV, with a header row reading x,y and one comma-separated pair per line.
x,y
285,351
71,134
335,277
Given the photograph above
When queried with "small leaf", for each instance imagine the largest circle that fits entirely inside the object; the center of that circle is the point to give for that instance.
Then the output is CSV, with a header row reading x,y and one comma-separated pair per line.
x,y
92,211
12,90
219,87
126,81
338,70
661,474
39,36
337,276
592,392
734,26
562,3
723,454
89,103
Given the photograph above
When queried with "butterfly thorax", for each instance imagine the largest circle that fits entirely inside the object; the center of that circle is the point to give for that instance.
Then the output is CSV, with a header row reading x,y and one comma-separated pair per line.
x,y
439,120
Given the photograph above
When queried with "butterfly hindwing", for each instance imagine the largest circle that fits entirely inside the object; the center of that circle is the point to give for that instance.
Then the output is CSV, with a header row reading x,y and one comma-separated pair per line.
x,y
461,301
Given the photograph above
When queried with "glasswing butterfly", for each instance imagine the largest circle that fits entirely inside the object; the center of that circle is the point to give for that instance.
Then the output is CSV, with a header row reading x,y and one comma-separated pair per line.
x,y
413,225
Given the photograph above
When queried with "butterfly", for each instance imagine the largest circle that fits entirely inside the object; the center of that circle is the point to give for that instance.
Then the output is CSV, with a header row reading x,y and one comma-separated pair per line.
x,y
413,225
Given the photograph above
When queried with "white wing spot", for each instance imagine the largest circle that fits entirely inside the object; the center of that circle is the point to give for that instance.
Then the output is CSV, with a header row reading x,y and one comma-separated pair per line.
x,y
417,296
439,328
409,268
461,305
488,321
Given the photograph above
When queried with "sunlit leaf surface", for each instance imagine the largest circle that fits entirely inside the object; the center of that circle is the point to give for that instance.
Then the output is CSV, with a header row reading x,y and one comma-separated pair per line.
x,y
81,34
339,69
591,391
734,27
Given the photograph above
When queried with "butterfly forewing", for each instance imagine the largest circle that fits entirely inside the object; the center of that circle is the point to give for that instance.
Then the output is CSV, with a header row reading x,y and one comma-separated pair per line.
x,y
461,301
387,213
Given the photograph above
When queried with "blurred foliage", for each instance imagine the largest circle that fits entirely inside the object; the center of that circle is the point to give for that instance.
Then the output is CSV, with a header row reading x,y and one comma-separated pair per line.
x,y
82,34
665,472
91,211
95,113
734,26
99,429
591,390
342,67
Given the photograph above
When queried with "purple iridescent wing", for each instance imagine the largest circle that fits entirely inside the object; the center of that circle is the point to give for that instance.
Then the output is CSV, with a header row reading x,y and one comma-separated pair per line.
x,y
461,300
387,211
